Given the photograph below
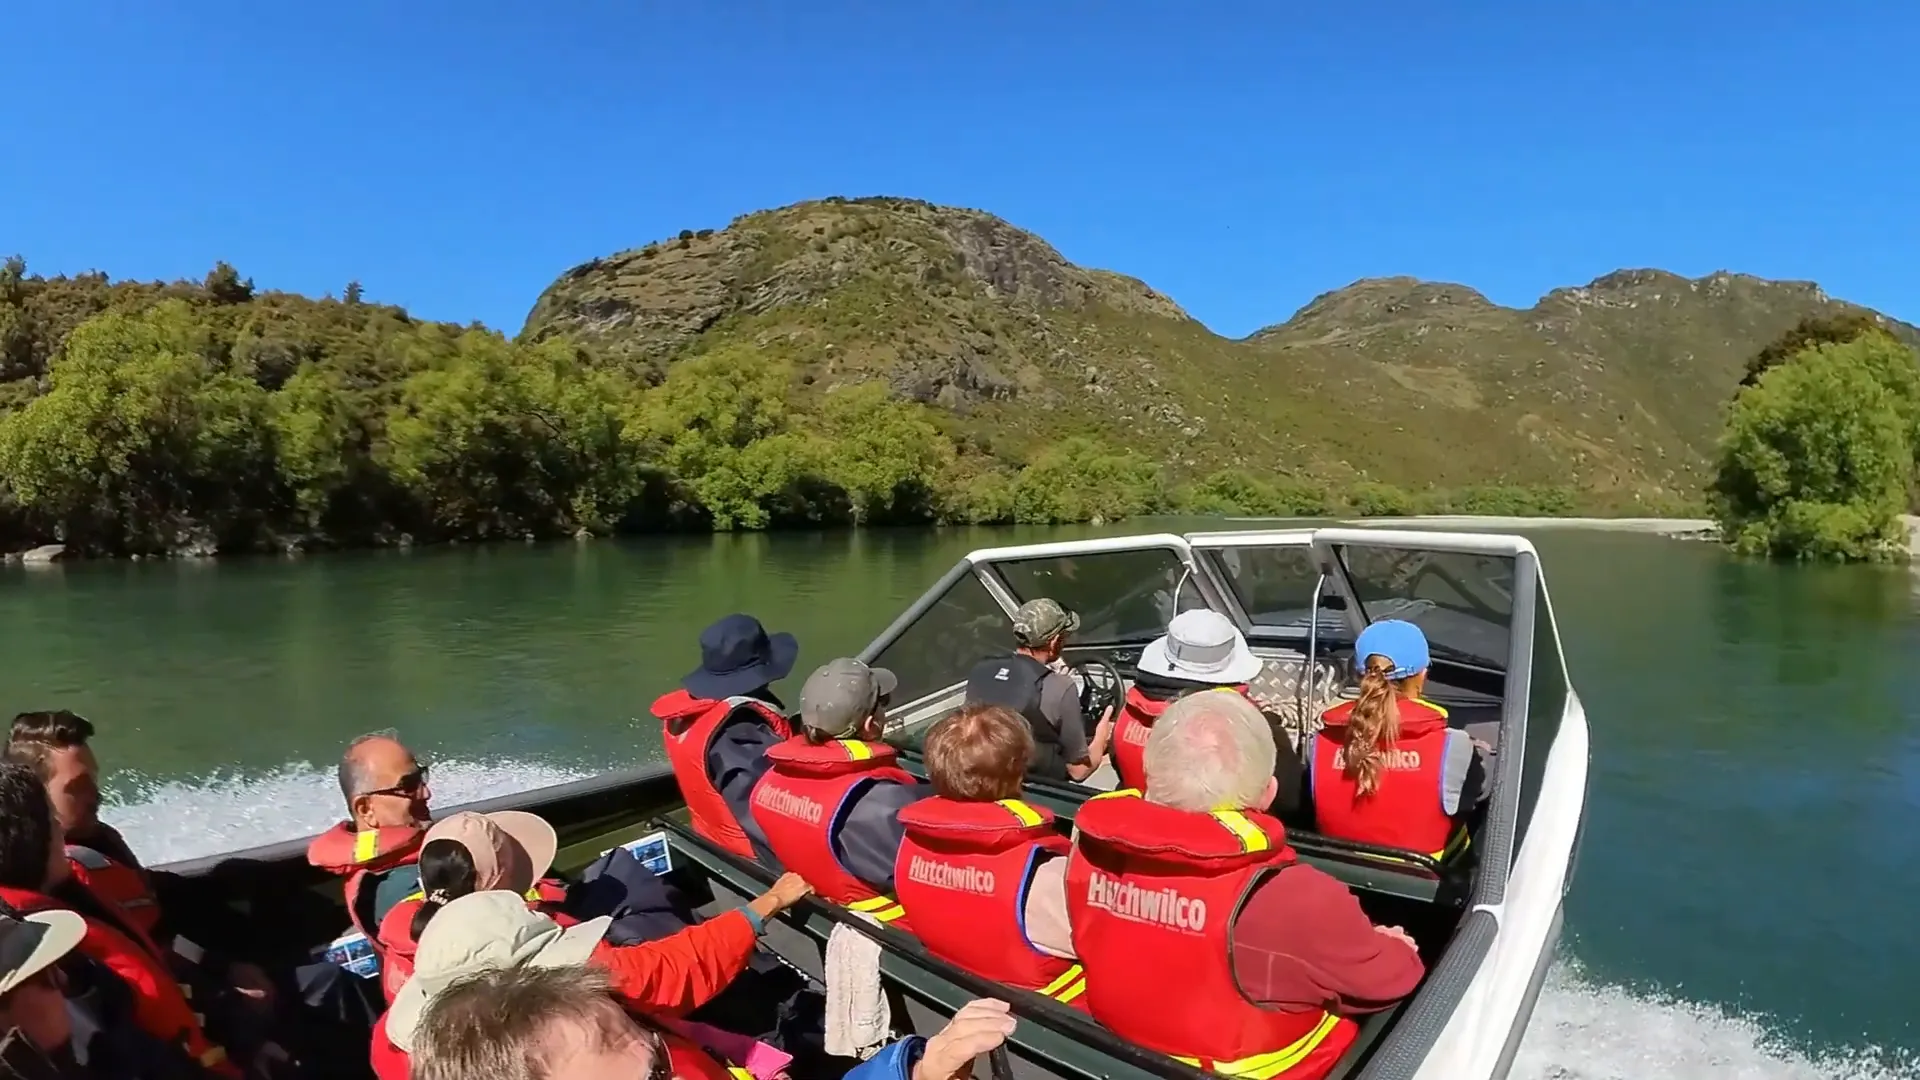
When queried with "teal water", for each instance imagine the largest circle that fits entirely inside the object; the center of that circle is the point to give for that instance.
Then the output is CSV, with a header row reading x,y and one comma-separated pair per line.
x,y
1749,862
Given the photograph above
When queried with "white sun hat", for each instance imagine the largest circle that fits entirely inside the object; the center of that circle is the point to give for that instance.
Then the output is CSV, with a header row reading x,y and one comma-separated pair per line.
x,y
1201,646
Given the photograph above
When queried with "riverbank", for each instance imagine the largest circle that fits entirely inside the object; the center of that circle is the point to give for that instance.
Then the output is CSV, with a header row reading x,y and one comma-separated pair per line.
x,y
1678,528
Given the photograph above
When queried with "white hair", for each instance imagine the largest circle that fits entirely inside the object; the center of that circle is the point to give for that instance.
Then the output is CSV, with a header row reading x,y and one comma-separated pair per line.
x,y
1210,751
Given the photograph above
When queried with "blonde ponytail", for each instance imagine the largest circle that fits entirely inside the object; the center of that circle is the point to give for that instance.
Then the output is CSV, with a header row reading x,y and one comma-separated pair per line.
x,y
1373,726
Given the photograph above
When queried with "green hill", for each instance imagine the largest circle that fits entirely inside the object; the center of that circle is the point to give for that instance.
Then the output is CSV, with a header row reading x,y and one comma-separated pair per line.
x,y
1614,387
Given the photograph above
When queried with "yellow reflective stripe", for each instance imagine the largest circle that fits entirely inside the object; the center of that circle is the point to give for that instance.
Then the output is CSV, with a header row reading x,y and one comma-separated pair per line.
x,y
1456,844
213,1055
856,749
884,909
1027,814
1071,984
417,894
533,894
1117,793
739,1073
366,844
1252,837
1441,709
1273,1063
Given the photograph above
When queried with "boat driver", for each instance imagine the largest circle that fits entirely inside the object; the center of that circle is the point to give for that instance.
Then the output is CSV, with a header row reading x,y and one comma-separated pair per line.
x,y
1028,682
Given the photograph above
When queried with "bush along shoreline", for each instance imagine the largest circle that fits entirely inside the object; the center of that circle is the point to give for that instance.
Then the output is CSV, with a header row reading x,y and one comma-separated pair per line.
x,y
1820,458
192,419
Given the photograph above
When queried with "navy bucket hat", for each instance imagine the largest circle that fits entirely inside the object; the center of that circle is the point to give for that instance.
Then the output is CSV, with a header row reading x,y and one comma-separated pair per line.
x,y
738,656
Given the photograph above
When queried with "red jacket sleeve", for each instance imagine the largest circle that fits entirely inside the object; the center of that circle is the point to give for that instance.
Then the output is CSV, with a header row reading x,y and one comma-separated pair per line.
x,y
678,974
1302,941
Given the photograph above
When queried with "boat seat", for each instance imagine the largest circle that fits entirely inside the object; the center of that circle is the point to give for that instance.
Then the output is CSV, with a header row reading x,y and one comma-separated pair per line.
x,y
1055,1040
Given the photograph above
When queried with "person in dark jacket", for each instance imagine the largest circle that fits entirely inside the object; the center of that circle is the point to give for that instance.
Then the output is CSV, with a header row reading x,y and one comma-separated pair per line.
x,y
1031,681
718,726
842,714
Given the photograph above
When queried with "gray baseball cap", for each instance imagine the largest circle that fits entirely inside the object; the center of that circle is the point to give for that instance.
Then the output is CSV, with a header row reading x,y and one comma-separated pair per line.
x,y
840,694
1038,621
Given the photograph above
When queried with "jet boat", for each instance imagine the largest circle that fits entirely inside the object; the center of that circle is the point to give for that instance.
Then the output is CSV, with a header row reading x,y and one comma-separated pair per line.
x,y
1487,914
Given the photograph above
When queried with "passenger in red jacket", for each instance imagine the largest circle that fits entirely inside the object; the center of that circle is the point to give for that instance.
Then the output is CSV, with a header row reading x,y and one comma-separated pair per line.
x,y
1388,768
982,872
1193,887
492,930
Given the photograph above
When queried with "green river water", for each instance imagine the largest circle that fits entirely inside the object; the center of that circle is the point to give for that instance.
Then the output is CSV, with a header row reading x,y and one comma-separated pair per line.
x,y
1743,902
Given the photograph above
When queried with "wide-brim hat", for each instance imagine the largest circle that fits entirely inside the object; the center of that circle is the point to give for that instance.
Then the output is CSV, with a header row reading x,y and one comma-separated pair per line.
x,y
738,656
479,932
509,849
1201,646
33,943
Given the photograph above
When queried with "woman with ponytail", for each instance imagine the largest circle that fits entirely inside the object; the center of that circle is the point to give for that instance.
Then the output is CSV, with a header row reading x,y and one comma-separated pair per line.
x,y
1387,768
468,853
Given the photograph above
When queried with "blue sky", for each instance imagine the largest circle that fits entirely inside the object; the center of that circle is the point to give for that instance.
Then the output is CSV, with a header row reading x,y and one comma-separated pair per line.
x,y
1241,157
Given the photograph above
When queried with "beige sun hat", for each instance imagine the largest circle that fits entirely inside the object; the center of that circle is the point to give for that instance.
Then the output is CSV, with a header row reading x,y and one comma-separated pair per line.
x,y
511,849
35,943
484,931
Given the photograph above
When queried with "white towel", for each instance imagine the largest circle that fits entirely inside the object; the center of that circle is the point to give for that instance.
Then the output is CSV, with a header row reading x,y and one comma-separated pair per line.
x,y
859,1022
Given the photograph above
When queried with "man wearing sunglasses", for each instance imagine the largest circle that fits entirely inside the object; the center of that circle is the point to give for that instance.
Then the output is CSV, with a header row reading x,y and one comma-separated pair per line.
x,y
378,847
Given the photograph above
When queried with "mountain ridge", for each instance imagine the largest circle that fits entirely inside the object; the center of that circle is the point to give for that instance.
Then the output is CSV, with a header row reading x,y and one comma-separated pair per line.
x,y
1614,387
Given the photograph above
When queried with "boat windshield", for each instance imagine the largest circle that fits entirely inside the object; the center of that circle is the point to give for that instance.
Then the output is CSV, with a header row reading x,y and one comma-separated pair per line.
x,y
1464,602
1274,586
1125,596
961,628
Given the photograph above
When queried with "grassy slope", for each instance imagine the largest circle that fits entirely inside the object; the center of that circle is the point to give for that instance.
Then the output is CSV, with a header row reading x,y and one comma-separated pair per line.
x,y
1615,386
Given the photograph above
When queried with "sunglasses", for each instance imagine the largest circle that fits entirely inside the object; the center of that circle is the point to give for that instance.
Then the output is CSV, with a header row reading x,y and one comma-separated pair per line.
x,y
408,786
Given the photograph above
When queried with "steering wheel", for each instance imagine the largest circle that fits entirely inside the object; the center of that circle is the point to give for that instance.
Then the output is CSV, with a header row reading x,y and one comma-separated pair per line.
x,y
1101,688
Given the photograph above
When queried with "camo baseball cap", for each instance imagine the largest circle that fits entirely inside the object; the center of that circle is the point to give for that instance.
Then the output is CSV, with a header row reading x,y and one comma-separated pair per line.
x,y
1038,621
842,693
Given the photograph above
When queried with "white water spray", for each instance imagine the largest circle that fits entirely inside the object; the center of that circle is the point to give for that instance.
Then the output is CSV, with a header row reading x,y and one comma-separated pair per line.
x,y
1582,1030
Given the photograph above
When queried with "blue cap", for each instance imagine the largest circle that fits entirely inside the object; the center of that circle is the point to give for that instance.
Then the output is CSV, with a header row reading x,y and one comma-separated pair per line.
x,y
1401,642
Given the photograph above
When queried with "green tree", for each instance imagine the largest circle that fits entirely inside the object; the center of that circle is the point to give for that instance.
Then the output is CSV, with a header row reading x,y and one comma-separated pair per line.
x,y
1816,459
1082,479
498,439
721,420
141,436
224,285
887,456
1811,331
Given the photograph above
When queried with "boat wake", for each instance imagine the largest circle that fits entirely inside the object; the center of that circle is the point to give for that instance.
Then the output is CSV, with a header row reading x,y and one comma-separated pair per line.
x,y
1582,1030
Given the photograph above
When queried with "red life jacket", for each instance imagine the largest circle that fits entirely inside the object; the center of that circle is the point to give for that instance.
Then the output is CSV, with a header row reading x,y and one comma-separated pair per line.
x,y
397,943
687,727
356,853
963,873
1130,731
162,1006
691,1061
798,806
1153,893
1405,811
122,887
